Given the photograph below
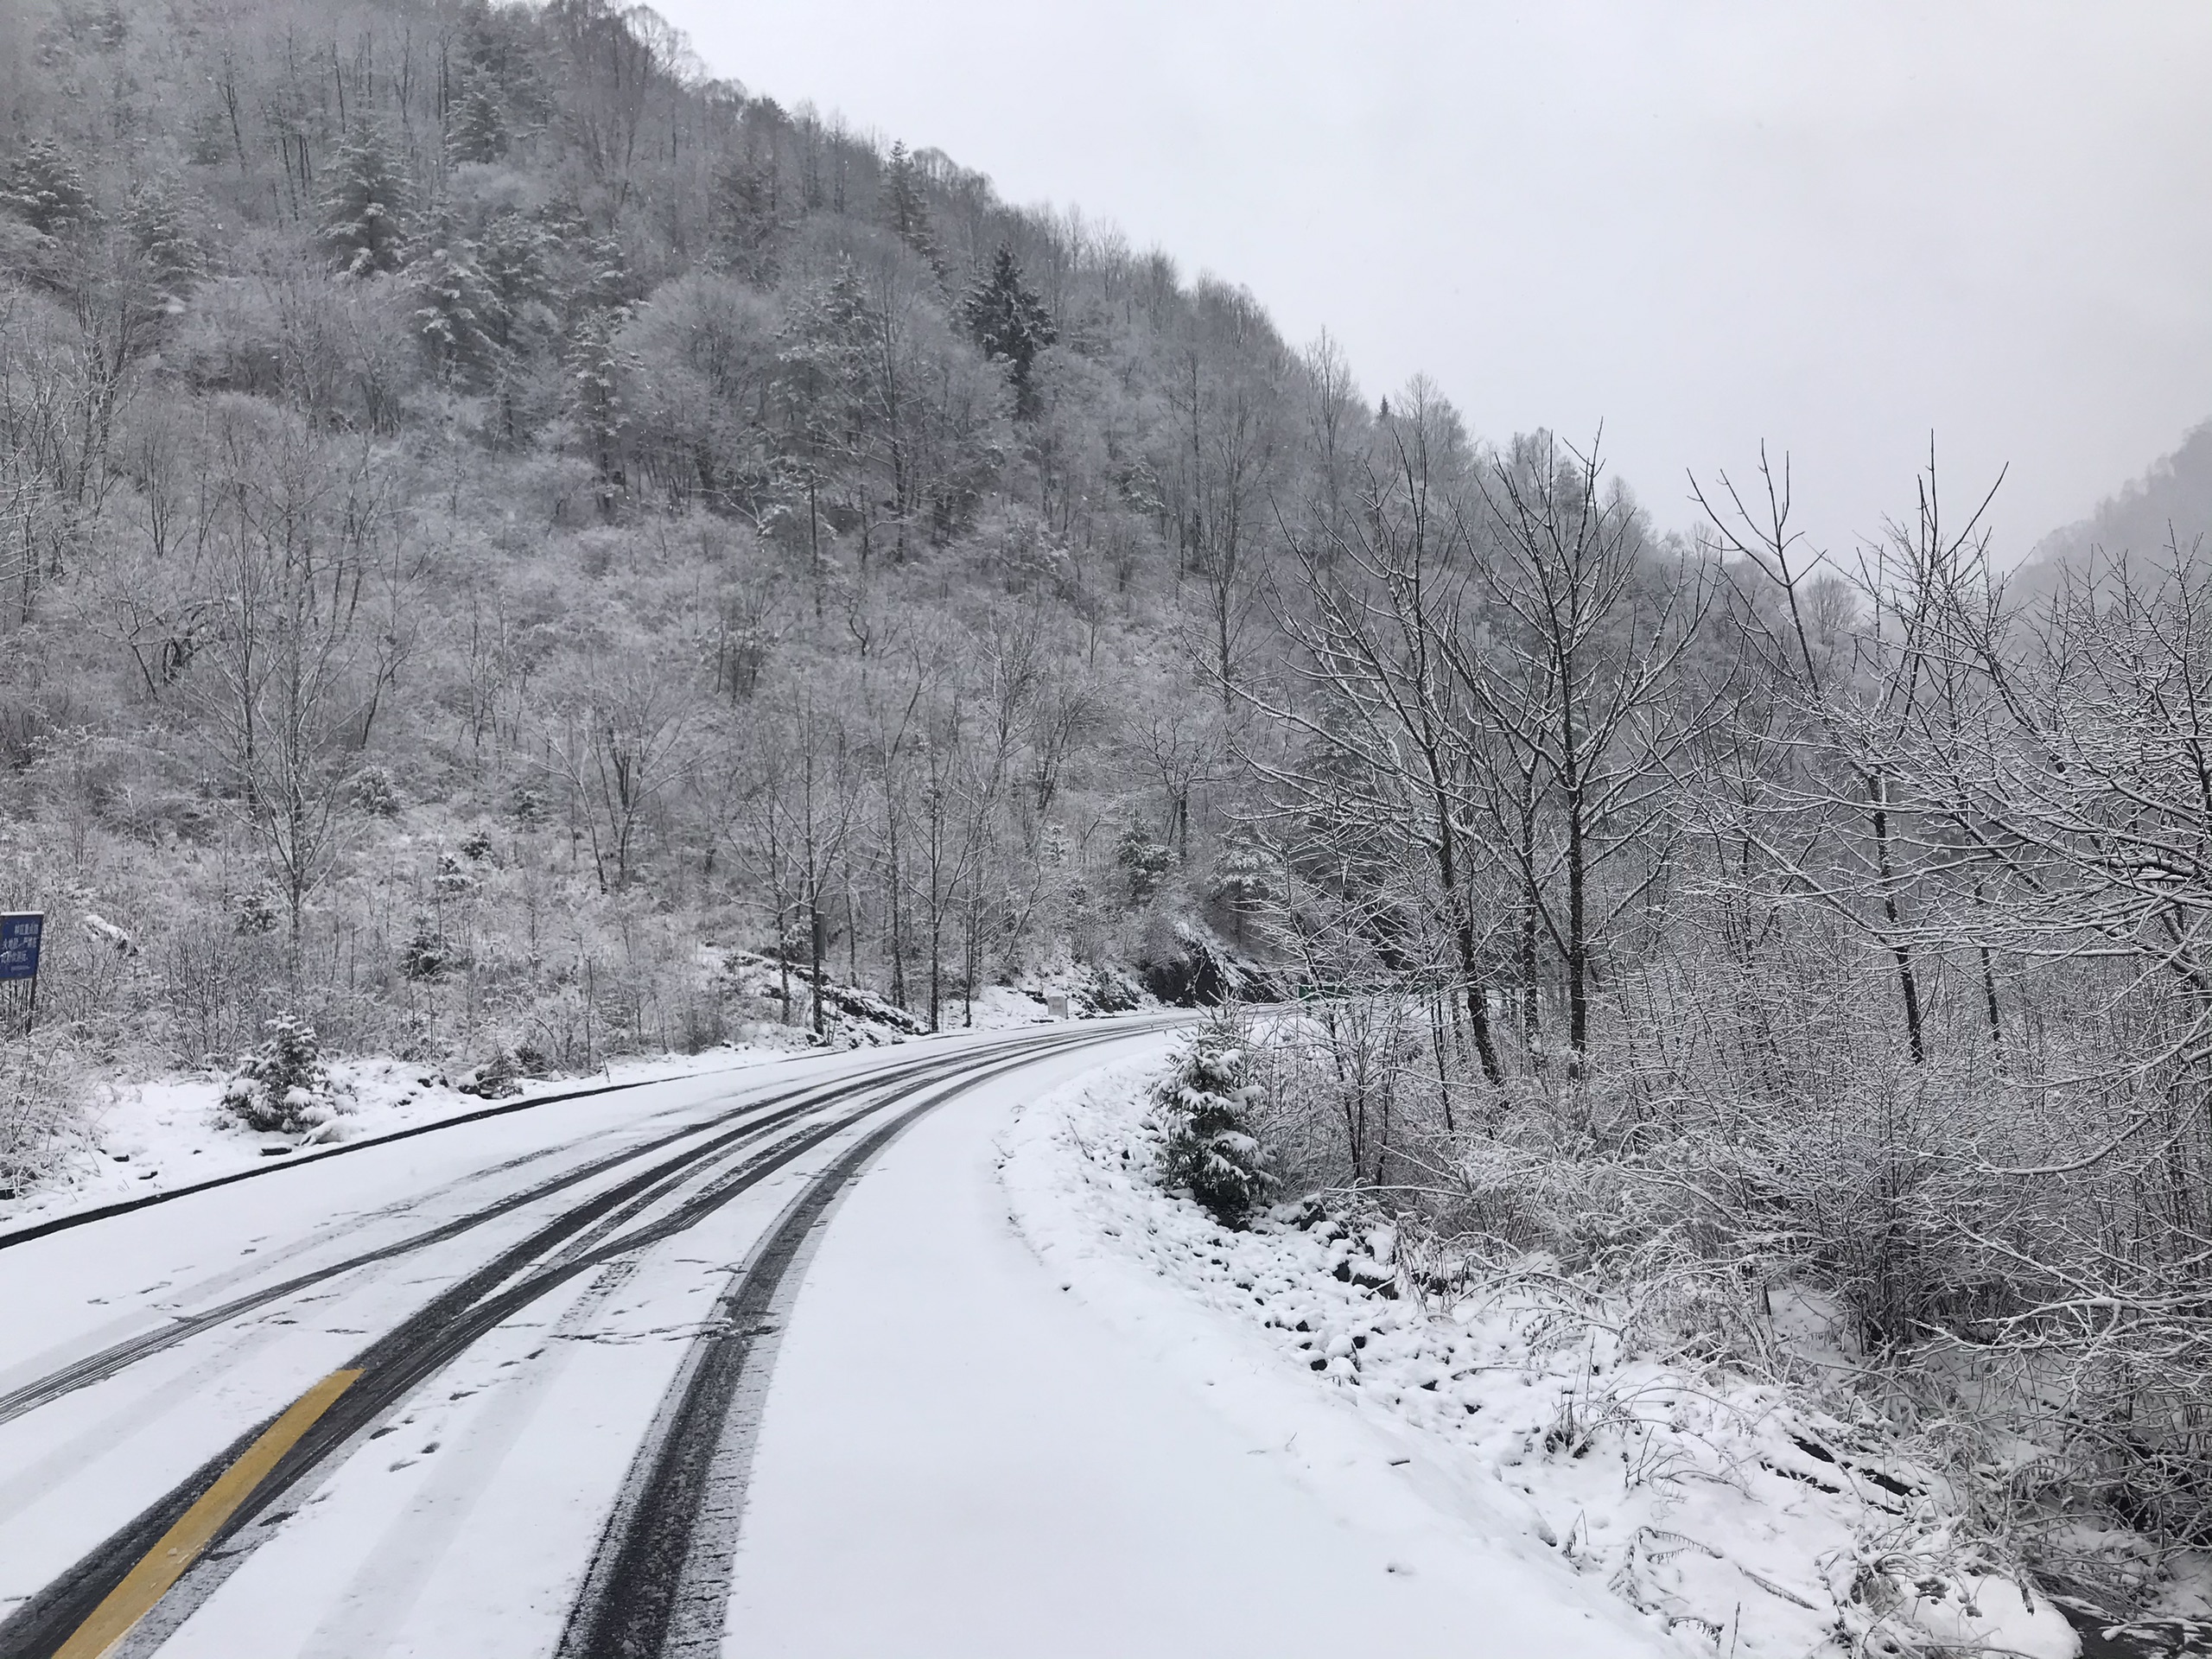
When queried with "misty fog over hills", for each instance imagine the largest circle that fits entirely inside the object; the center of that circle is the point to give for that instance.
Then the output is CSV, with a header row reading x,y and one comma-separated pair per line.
x,y
2168,506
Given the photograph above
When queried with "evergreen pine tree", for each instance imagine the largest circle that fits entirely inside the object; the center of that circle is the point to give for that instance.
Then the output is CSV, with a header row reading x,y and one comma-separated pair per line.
x,y
1011,325
1145,859
600,280
904,209
597,307
364,211
44,187
595,374
163,236
746,224
515,254
1202,1110
822,388
457,311
476,127
285,1083
822,372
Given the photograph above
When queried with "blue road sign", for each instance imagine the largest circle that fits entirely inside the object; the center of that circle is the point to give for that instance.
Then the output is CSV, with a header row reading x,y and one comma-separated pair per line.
x,y
19,940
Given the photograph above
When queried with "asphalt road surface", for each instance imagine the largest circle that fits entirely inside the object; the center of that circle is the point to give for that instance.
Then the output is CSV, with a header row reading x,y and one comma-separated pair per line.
x,y
750,1365
487,1389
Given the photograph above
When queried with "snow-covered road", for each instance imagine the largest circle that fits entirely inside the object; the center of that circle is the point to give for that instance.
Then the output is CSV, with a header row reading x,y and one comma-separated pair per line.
x,y
505,1390
961,1456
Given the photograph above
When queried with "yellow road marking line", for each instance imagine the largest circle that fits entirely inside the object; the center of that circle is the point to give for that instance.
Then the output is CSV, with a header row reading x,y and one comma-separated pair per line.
x,y
164,1564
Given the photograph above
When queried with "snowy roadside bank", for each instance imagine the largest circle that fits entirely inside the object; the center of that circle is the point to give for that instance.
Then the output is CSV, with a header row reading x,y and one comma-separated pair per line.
x,y
169,1131
141,1135
1733,1519
97,1140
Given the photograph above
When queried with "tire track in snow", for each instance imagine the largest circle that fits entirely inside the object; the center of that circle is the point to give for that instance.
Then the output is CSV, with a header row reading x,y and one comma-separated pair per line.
x,y
67,1460
424,1344
24,1235
659,1585
118,1333
105,1363
374,1606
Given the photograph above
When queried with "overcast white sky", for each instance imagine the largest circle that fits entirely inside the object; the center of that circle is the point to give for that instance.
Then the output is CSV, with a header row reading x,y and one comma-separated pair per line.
x,y
1835,226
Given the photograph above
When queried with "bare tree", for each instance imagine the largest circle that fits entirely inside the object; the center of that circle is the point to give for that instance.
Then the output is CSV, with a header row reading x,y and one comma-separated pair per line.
x,y
1226,466
1377,600
279,683
617,743
1572,662
1866,694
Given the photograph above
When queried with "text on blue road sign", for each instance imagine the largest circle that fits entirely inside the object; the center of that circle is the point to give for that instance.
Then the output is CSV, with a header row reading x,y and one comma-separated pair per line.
x,y
19,941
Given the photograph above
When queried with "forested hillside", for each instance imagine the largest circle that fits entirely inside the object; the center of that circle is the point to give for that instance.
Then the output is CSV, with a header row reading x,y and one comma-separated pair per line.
x,y
495,519
490,509
2150,523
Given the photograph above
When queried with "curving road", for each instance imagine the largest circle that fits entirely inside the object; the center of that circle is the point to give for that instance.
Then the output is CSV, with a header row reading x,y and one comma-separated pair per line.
x,y
754,1364
486,1391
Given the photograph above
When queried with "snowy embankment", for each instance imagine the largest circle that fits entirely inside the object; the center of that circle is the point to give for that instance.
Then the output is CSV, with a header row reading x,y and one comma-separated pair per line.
x,y
151,1135
147,1136
1733,1519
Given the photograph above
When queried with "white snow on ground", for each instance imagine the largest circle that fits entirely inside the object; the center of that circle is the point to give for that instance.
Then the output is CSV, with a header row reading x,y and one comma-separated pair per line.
x,y
1000,1008
1731,1519
144,1135
463,1525
868,1017
958,1456
149,1136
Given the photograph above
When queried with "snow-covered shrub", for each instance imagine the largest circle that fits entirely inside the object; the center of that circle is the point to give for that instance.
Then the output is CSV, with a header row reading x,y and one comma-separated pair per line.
x,y
254,913
283,1085
1145,861
375,793
426,956
1350,1097
496,1079
39,1104
1202,1112
105,935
